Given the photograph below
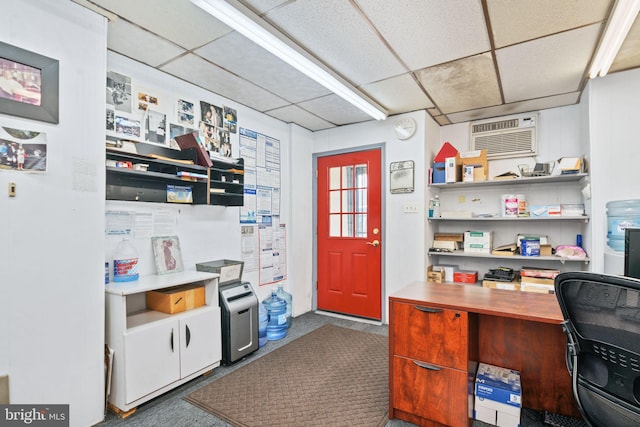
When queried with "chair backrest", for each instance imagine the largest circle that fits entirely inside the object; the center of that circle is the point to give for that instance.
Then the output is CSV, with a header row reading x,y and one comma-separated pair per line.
x,y
602,323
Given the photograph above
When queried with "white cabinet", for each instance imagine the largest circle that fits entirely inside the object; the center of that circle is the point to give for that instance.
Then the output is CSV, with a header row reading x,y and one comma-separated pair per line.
x,y
483,200
153,351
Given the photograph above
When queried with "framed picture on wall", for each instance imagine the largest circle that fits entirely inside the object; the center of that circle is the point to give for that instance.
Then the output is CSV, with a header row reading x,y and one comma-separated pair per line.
x,y
166,252
28,84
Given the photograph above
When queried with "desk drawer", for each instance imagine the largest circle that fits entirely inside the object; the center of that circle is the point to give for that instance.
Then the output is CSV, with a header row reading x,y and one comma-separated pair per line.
x,y
434,393
430,334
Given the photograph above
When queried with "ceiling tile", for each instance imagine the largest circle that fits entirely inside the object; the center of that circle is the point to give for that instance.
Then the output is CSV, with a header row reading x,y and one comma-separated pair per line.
x,y
295,114
133,42
206,75
515,21
462,85
429,32
262,6
340,36
516,107
442,120
335,110
281,78
177,20
547,66
398,94
629,54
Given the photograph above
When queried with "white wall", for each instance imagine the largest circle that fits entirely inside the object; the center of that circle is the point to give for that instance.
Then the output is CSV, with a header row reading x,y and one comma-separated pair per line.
x,y
614,109
213,232
51,250
403,257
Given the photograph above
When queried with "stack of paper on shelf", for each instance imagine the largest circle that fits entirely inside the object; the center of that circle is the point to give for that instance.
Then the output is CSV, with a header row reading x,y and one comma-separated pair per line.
x,y
538,279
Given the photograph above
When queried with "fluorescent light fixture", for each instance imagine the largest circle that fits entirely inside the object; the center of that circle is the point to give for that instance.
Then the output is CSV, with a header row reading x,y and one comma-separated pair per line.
x,y
274,43
622,18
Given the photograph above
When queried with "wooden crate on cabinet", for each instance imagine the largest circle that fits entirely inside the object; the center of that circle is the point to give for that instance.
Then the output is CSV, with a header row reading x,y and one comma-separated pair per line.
x,y
226,182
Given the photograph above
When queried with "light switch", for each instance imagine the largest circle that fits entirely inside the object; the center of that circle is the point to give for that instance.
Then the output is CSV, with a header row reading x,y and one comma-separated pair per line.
x,y
410,208
12,189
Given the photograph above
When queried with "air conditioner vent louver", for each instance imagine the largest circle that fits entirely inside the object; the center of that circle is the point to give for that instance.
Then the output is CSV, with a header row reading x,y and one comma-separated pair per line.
x,y
506,138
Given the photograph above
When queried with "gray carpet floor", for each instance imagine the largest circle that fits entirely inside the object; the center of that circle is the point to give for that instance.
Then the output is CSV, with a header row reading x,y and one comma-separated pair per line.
x,y
171,410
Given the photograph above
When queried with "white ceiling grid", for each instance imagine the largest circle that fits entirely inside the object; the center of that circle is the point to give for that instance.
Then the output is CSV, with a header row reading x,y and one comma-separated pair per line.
x,y
460,60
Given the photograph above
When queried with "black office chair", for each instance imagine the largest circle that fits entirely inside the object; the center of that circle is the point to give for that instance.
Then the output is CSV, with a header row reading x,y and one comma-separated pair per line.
x,y
602,323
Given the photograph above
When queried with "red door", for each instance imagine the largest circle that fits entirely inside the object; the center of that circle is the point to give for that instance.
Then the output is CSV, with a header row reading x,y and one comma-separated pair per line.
x,y
349,234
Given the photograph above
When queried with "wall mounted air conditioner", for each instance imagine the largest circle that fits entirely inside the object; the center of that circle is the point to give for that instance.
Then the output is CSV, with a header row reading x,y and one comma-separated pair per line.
x,y
506,137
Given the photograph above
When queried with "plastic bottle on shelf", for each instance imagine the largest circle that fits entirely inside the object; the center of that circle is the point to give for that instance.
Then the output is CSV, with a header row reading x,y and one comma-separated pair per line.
x,y
263,319
125,262
289,300
277,313
436,206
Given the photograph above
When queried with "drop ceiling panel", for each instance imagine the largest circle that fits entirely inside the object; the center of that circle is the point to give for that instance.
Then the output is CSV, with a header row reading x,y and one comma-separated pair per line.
x,y
398,94
547,66
251,64
340,37
429,32
335,110
262,6
515,21
462,85
629,54
178,20
295,114
516,107
208,76
133,42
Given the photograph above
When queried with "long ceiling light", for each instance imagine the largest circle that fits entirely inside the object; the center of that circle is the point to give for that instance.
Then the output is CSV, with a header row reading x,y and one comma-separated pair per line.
x,y
623,16
269,40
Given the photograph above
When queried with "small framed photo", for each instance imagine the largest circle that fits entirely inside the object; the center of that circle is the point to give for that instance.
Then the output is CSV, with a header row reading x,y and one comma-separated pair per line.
x,y
28,84
167,255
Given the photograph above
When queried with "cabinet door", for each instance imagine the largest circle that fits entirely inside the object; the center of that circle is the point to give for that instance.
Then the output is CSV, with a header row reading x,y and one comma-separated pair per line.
x,y
151,358
200,340
431,334
431,392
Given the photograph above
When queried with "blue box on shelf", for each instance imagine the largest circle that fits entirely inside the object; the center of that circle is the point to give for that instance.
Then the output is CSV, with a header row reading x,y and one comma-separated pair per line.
x,y
438,173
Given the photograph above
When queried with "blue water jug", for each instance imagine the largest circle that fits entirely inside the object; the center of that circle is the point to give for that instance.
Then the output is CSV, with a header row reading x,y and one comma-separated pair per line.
x,y
289,300
277,313
621,214
263,319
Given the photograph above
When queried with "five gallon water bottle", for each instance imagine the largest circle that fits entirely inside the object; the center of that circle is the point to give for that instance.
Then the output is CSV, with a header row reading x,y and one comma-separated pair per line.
x,y
277,313
621,214
289,299
263,319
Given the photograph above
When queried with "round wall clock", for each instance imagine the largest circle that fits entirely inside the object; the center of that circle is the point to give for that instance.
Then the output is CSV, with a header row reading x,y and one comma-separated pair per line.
x,y
405,128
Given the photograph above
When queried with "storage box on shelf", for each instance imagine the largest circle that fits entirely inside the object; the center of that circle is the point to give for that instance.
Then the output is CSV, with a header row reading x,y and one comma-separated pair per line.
x,y
153,173
156,351
485,197
227,182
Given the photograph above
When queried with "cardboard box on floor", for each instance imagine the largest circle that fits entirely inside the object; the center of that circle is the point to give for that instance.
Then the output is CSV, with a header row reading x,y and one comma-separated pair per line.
x,y
498,396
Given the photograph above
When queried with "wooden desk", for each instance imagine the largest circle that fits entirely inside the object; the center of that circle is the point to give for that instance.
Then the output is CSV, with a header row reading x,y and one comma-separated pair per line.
x,y
516,330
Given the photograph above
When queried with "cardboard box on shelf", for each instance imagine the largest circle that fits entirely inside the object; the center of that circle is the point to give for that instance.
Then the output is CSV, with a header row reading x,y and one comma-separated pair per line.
x,y
465,276
477,159
494,284
176,299
478,241
447,150
452,168
439,176
435,274
448,271
498,396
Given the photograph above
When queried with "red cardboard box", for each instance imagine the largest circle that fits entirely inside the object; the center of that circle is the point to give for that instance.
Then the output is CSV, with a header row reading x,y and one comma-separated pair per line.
x,y
447,150
465,276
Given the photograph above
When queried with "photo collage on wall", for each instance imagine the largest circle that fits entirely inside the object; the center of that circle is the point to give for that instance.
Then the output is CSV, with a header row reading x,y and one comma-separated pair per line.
x,y
141,115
